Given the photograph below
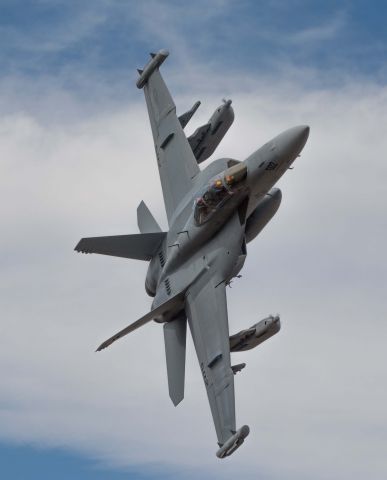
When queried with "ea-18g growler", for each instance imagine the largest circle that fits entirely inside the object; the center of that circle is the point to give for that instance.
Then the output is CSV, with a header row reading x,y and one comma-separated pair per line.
x,y
212,214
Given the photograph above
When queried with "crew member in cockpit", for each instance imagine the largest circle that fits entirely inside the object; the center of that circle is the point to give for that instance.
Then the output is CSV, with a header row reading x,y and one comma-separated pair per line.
x,y
215,192
210,200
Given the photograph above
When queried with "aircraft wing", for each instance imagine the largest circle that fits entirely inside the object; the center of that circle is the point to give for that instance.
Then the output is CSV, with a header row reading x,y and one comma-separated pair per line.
x,y
175,159
206,309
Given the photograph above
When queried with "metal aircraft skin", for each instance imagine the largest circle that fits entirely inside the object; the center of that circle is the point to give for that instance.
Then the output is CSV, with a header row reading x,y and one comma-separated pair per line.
x,y
212,214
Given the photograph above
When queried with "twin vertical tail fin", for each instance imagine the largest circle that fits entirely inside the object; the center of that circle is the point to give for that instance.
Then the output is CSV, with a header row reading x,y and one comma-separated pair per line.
x,y
145,220
143,246
175,334
175,331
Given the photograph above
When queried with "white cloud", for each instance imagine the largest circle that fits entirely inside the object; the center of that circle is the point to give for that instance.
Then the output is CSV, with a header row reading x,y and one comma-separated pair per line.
x,y
327,30
314,396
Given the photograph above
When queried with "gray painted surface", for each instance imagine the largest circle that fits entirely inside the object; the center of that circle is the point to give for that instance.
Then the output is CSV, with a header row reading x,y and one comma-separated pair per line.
x,y
137,246
206,138
212,213
145,220
175,335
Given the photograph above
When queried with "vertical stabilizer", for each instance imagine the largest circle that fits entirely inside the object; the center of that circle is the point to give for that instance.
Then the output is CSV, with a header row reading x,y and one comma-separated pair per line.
x,y
175,335
145,220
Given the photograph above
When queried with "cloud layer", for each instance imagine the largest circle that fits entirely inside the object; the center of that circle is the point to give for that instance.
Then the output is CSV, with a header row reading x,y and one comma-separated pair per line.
x,y
77,158
314,396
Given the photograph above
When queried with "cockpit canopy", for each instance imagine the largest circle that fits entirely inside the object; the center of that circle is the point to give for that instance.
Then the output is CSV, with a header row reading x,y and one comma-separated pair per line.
x,y
217,192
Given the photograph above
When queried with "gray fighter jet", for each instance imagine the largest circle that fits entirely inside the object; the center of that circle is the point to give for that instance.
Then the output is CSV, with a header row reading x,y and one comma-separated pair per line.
x,y
212,214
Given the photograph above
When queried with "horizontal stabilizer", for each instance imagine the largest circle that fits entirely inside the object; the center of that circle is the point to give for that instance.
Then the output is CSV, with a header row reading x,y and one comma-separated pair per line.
x,y
173,304
142,246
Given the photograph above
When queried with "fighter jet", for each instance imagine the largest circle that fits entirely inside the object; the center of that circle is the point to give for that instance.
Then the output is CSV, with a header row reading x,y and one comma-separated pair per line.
x,y
212,214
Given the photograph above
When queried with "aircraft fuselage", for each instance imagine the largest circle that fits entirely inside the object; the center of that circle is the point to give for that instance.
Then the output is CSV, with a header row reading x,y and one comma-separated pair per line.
x,y
212,214
189,238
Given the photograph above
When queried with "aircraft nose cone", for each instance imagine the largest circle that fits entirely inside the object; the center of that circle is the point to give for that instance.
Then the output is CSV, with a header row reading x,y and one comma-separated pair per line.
x,y
295,139
302,134
290,143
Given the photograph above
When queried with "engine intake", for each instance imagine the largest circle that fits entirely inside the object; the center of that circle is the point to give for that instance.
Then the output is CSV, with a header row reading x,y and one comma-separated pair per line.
x,y
255,335
262,215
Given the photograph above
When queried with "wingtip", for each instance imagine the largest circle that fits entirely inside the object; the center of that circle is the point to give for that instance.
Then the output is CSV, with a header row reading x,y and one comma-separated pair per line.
x,y
162,52
156,60
108,342
102,346
233,443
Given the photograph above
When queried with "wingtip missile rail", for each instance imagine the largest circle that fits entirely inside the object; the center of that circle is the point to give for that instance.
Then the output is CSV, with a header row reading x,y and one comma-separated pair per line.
x,y
233,443
156,60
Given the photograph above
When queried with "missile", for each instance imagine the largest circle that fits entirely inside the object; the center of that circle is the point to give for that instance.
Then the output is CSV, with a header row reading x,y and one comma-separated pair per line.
x,y
233,443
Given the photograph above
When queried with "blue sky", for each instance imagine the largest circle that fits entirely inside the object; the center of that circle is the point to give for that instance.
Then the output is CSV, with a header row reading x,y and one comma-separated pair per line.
x,y
88,51
72,39
24,463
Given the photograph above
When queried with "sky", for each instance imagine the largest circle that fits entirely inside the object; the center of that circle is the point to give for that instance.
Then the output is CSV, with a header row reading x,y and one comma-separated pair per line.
x,y
77,158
